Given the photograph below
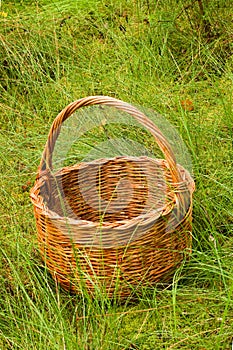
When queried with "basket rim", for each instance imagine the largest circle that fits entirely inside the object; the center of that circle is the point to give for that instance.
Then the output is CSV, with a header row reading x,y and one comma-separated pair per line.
x,y
151,215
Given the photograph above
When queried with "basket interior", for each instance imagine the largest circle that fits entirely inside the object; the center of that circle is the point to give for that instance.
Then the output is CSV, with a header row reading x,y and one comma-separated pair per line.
x,y
110,190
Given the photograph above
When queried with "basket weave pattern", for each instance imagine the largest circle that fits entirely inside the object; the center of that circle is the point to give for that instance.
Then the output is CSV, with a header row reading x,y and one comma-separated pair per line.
x,y
123,221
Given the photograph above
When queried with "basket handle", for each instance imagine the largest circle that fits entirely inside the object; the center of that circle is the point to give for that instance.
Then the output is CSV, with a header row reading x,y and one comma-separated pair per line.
x,y
46,160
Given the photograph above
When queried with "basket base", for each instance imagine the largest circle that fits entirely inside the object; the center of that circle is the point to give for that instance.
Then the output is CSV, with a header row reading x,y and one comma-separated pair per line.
x,y
119,272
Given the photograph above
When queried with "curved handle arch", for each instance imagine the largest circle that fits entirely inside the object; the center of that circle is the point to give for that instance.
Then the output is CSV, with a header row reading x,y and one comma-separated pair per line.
x,y
46,160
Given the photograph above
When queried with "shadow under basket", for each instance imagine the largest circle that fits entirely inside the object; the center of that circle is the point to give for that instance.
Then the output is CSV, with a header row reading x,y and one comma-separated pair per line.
x,y
113,225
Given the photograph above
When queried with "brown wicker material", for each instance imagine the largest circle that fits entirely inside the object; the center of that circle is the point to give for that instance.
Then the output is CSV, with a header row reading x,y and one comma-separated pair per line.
x,y
113,224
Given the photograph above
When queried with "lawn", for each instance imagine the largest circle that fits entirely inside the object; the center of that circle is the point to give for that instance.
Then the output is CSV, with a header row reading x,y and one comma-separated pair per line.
x,y
172,57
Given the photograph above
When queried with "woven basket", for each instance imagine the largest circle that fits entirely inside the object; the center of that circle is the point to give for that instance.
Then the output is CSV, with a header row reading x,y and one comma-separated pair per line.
x,y
137,239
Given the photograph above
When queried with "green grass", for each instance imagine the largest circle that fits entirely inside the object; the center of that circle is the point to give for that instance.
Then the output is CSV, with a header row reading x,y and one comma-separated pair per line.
x,y
153,54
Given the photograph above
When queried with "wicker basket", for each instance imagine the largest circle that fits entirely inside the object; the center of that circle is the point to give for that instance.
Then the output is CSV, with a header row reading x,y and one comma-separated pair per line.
x,y
138,239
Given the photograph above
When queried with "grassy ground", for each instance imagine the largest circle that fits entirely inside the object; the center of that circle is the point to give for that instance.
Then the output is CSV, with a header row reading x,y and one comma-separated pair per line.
x,y
174,57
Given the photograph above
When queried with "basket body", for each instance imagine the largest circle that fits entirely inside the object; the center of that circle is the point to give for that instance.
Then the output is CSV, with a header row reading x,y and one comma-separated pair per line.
x,y
108,241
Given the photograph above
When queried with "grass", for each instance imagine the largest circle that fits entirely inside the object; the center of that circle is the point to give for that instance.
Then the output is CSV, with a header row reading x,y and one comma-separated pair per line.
x,y
153,54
